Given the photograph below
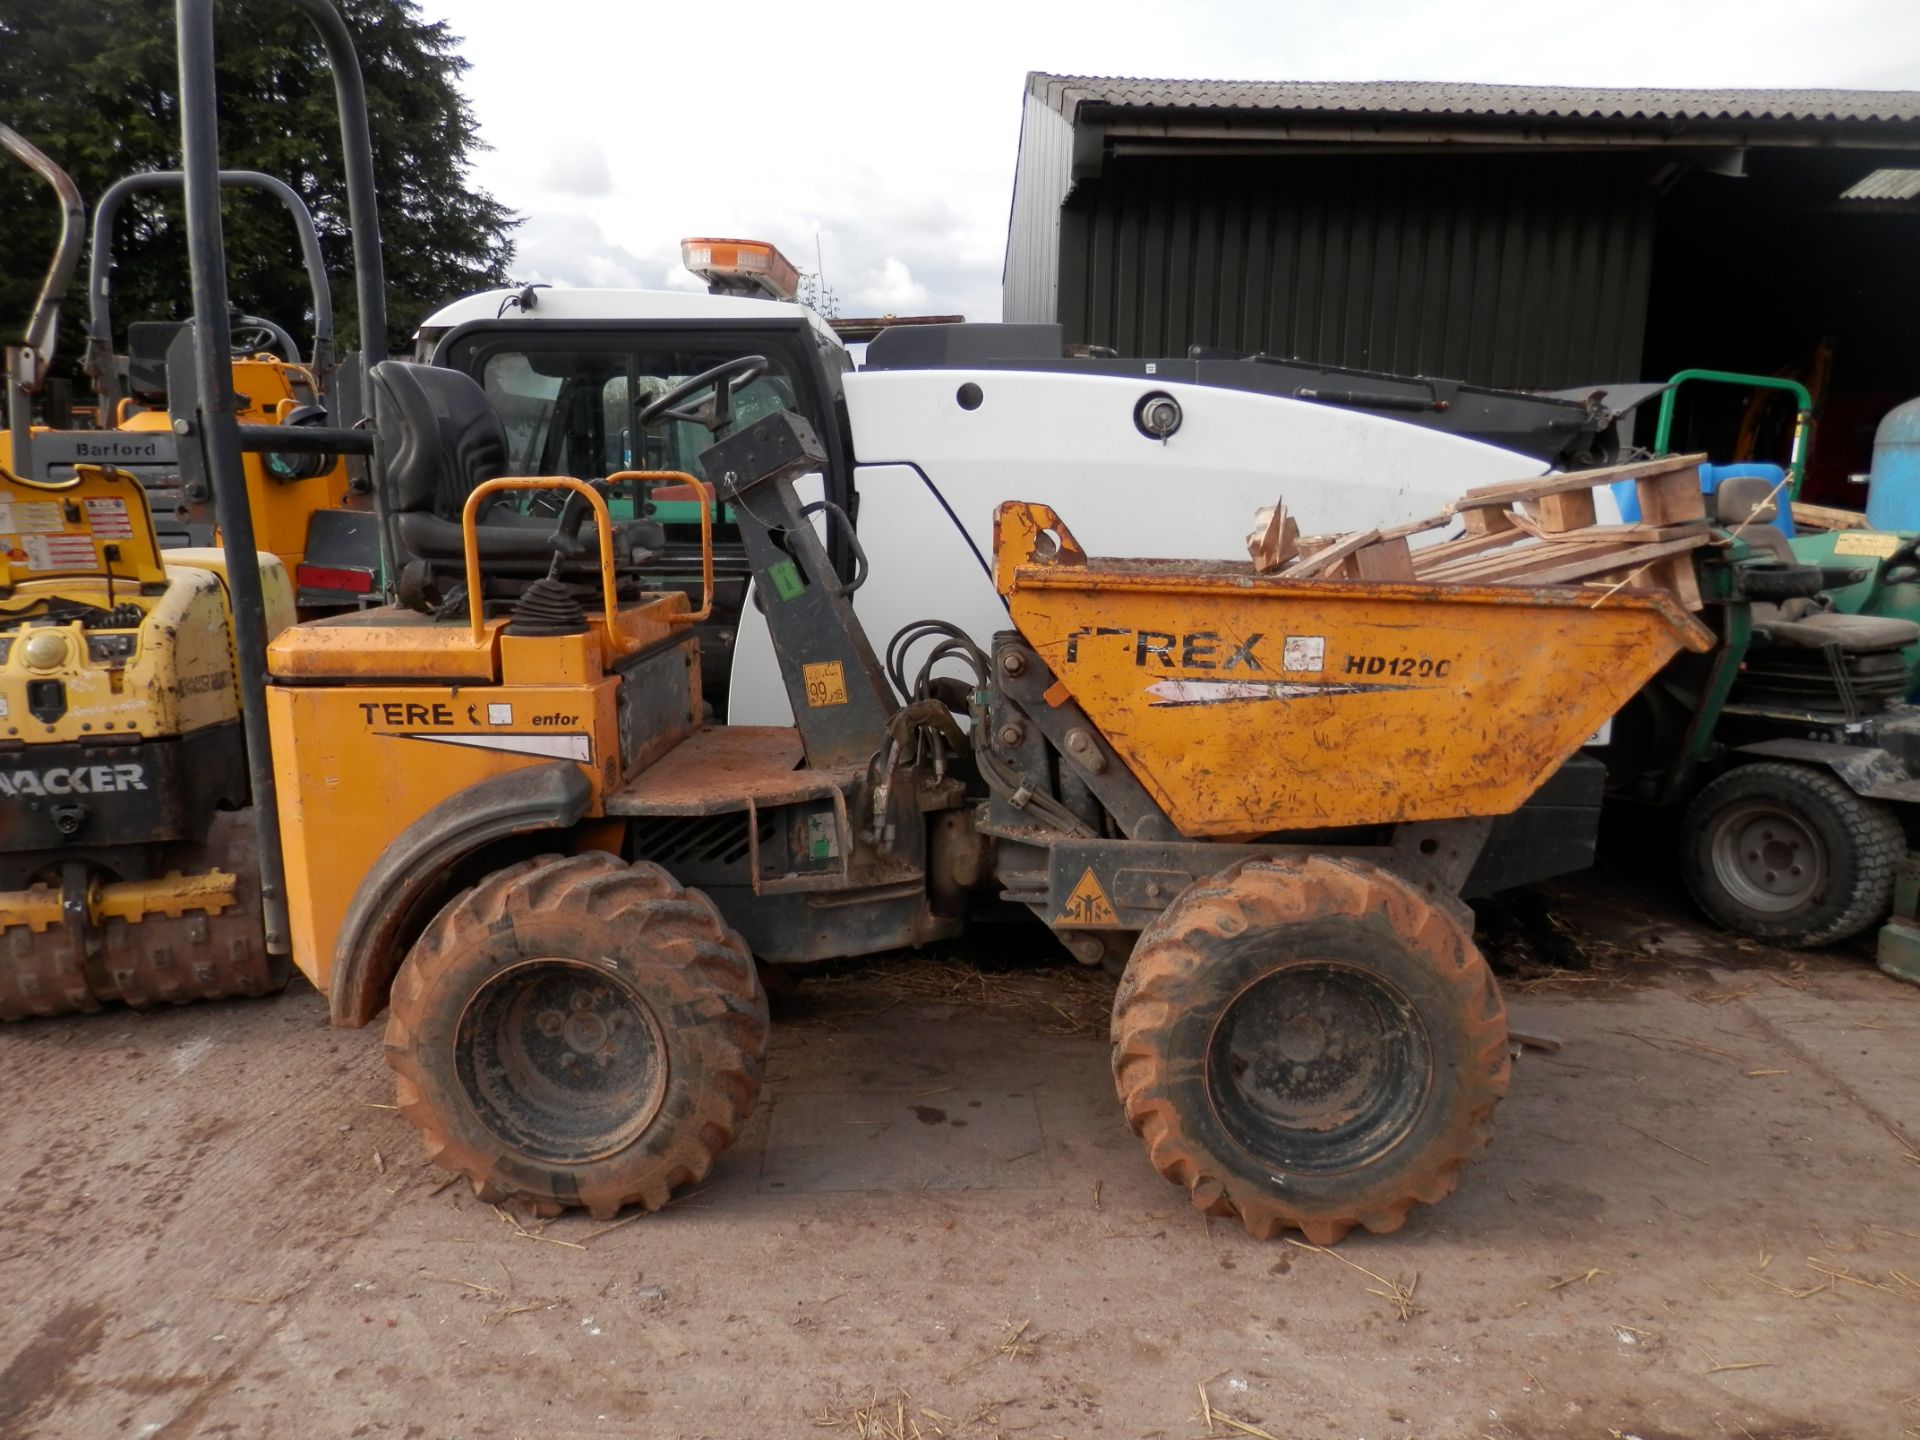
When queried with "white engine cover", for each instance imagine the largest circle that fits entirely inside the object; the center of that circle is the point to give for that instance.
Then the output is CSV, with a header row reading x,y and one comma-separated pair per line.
x,y
1069,441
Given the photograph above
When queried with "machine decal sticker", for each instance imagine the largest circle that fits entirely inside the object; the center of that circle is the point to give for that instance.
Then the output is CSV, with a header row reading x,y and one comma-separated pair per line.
x,y
499,714
826,684
410,712
38,516
1424,666
1219,692
822,838
1087,904
784,576
553,746
203,684
108,517
1194,650
57,552
1865,542
1304,652
73,780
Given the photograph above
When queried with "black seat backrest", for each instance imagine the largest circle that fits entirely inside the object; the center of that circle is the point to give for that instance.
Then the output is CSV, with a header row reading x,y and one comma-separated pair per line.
x,y
1747,503
147,344
441,437
1743,498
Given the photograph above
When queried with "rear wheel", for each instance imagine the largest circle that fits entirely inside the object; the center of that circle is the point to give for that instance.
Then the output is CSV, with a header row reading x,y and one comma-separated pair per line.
x,y
578,1031
1788,854
1309,1044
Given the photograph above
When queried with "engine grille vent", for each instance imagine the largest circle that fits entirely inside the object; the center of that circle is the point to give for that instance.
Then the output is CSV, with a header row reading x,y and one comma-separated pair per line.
x,y
677,841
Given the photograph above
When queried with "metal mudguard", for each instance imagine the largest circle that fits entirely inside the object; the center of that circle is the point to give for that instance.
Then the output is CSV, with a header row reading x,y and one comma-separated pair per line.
x,y
422,867
1879,758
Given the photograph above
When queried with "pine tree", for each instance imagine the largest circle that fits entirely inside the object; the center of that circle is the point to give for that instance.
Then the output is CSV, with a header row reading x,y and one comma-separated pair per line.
x,y
94,86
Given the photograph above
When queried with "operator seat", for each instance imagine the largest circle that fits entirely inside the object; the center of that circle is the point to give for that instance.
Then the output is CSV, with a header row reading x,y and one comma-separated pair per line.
x,y
148,342
1798,642
440,439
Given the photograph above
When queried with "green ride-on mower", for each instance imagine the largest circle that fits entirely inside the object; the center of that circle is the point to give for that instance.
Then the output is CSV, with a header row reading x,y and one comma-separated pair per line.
x,y
1788,750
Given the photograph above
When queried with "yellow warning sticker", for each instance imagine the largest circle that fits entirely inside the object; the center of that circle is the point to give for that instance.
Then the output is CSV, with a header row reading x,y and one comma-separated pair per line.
x,y
1865,542
826,684
1087,904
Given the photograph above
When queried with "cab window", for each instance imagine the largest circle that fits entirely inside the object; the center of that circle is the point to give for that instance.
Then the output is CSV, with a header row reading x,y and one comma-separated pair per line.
x,y
576,412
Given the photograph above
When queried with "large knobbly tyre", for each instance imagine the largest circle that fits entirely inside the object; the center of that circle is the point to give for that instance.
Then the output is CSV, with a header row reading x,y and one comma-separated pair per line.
x,y
1309,1043
575,1030
1788,854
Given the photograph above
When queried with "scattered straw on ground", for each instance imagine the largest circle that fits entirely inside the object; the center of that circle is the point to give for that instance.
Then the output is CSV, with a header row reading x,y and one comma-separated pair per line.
x,y
878,1417
1396,1293
896,1415
1219,1422
1021,1342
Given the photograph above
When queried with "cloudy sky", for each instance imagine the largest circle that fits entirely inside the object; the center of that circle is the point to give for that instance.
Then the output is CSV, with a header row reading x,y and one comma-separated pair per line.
x,y
880,138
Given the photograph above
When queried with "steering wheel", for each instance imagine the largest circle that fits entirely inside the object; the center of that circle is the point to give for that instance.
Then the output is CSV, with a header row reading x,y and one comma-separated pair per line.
x,y
717,414
250,334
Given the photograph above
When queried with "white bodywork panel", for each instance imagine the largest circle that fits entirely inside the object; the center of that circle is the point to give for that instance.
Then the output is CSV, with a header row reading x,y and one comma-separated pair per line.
x,y
1069,441
557,302
636,307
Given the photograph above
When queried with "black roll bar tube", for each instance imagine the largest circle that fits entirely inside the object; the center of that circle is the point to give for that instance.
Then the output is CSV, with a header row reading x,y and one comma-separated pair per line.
x,y
100,366
26,364
215,413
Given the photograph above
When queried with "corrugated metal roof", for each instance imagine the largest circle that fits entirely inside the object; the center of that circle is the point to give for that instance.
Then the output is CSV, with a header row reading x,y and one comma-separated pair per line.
x,y
1885,185
1066,93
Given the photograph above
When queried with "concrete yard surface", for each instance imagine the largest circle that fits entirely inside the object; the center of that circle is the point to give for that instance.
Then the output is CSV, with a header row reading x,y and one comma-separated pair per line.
x,y
1699,1217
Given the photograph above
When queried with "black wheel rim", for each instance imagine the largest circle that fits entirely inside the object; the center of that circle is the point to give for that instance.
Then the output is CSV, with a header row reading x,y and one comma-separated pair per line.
x,y
1319,1068
561,1060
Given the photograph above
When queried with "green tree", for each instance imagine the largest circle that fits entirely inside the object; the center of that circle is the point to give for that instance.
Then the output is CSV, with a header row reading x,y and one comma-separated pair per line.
x,y
95,86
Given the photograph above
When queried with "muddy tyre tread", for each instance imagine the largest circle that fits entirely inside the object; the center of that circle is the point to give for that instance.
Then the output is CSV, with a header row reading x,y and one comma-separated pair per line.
x,y
705,966
1167,975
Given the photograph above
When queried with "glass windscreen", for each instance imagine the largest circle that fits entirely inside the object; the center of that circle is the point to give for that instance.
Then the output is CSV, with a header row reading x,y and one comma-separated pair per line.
x,y
576,412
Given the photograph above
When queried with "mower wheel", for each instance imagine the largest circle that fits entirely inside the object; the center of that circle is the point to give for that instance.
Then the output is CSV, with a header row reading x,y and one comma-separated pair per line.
x,y
575,1030
1788,854
1310,1044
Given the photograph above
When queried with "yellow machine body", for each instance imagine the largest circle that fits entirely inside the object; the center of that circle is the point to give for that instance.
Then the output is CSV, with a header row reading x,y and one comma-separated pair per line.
x,y
270,389
122,767
379,716
164,667
1249,703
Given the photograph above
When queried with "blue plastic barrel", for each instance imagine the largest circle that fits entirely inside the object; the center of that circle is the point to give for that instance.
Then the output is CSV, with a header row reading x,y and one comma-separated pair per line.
x,y
1893,500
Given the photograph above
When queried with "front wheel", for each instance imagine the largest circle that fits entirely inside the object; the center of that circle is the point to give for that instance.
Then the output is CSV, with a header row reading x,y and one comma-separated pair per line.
x,y
1309,1044
1788,854
575,1030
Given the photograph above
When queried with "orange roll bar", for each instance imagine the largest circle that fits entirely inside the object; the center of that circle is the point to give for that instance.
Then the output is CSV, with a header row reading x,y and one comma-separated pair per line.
x,y
705,491
476,609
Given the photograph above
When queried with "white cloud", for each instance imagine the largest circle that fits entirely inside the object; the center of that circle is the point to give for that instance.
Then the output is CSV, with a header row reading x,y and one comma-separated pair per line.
x,y
786,124
889,290
572,248
575,166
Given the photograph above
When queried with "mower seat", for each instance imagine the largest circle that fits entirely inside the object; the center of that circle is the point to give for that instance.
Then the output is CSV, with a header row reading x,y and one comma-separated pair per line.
x,y
442,439
1746,503
1854,634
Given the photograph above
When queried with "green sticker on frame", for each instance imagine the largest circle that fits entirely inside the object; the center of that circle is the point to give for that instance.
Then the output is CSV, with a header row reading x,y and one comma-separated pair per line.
x,y
786,581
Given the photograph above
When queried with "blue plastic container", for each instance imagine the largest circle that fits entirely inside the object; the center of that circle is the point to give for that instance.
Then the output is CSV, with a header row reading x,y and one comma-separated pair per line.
x,y
1893,500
